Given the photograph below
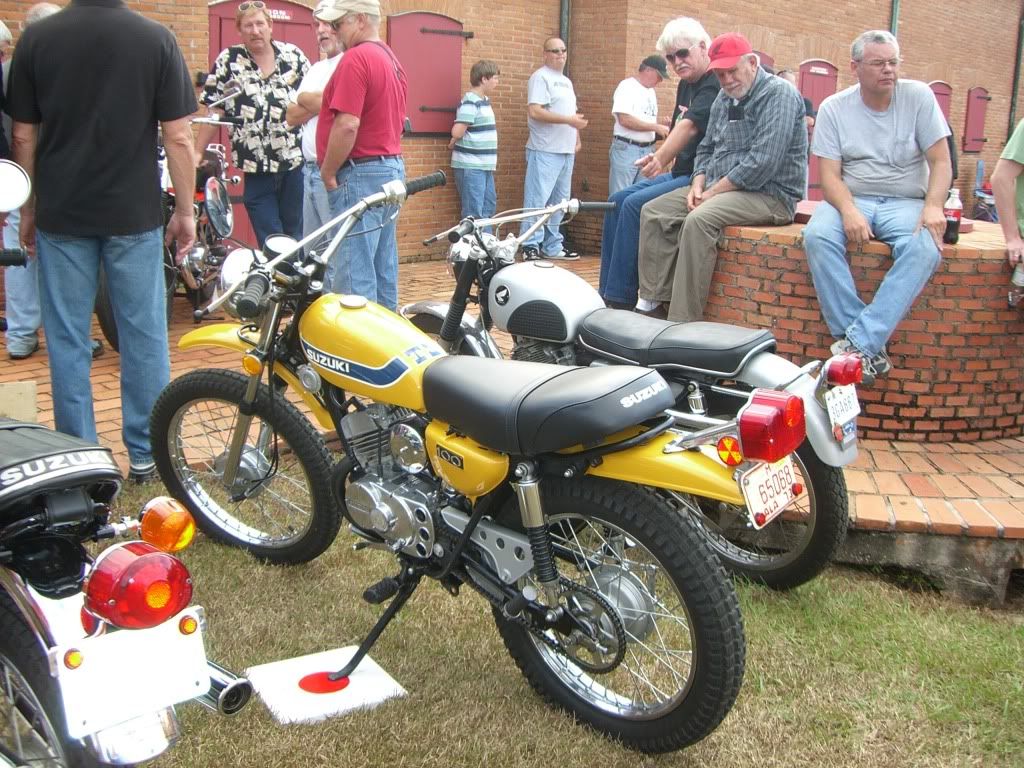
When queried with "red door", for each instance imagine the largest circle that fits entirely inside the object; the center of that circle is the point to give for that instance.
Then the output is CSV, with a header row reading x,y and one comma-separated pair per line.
x,y
943,94
293,23
817,81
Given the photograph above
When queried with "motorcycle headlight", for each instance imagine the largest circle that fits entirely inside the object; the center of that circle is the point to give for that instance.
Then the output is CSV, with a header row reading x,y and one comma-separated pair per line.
x,y
235,267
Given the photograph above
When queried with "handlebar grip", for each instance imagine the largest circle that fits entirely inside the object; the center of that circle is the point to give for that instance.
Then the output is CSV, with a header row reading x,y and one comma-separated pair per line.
x,y
13,257
256,287
609,206
463,229
233,120
422,183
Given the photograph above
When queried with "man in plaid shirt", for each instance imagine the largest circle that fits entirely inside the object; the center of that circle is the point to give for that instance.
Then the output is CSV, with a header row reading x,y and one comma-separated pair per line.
x,y
749,169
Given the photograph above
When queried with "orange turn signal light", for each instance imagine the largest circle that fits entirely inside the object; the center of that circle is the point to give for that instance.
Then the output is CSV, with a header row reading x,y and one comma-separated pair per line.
x,y
729,451
188,625
252,365
167,525
73,659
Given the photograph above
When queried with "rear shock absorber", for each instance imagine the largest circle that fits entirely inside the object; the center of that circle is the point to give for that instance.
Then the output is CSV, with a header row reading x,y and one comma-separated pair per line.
x,y
527,487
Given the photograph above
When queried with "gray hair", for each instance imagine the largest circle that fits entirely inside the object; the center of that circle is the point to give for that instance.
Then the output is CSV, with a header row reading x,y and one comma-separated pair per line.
x,y
5,34
879,36
681,32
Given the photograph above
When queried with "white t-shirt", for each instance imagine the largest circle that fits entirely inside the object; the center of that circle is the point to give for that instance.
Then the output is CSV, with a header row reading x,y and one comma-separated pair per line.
x,y
315,81
634,98
553,91
883,153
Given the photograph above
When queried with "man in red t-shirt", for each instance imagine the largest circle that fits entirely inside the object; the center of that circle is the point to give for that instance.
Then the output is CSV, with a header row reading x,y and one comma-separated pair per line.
x,y
358,147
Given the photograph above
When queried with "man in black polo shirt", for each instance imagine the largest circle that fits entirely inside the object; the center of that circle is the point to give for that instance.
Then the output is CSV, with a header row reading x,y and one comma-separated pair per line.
x,y
87,89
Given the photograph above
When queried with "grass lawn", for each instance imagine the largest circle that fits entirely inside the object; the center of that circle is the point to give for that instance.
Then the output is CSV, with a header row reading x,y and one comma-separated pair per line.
x,y
846,671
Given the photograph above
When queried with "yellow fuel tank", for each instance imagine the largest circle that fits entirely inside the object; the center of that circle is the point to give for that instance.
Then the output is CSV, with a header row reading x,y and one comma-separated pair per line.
x,y
367,350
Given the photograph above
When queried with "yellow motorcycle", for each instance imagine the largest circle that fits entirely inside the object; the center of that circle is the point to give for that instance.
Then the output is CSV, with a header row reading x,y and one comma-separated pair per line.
x,y
531,484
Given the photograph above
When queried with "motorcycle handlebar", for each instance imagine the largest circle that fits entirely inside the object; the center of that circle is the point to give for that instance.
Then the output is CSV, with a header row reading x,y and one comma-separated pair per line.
x,y
423,183
13,257
464,228
609,206
257,285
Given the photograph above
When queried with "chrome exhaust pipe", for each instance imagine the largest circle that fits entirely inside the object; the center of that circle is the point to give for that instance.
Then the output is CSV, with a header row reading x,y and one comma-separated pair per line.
x,y
228,692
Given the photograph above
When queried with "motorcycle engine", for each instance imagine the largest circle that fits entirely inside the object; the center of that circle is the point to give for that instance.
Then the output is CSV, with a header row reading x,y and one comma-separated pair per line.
x,y
543,352
395,496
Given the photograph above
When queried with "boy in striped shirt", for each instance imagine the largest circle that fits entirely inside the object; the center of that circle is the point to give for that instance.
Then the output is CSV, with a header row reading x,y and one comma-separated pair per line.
x,y
474,143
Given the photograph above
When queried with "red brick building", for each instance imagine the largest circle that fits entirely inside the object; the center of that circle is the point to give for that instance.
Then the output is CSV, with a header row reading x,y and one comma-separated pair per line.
x,y
973,43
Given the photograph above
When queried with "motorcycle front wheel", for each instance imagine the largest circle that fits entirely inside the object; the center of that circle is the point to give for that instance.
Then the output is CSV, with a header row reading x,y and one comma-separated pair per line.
x,y
793,548
279,507
671,656
31,720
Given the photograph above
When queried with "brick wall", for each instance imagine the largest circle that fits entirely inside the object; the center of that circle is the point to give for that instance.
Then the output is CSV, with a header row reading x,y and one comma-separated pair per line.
x,y
956,356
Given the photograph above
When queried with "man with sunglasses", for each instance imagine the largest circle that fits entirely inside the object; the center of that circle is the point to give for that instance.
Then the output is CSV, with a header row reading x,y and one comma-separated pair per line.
x,y
264,146
885,172
359,148
555,127
749,169
685,44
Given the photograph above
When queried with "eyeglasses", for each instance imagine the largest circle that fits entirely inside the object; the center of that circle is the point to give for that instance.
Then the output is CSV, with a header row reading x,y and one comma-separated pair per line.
x,y
882,63
681,54
258,5
555,50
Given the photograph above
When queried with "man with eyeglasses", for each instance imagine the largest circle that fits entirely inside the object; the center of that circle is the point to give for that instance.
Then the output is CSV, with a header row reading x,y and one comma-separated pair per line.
x,y
885,173
749,169
685,44
264,147
92,152
555,127
359,147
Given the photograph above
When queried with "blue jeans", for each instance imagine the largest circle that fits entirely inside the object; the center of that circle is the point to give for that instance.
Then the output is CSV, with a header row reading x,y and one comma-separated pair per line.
x,y
274,203
548,181
476,191
620,238
134,267
316,208
21,289
622,170
366,263
915,258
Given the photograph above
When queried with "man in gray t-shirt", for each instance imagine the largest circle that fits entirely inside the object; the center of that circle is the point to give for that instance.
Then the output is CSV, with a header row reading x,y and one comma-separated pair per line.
x,y
551,150
885,172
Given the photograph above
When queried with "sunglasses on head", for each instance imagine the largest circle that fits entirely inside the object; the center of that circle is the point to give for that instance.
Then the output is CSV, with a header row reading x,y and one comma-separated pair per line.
x,y
257,4
681,54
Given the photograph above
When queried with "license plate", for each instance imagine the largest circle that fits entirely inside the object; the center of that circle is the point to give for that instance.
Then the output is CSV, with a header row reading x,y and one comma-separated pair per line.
x,y
768,489
843,406
128,673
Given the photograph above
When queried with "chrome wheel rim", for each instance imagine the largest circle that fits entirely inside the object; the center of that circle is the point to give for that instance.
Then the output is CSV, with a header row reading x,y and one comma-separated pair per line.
x,y
26,732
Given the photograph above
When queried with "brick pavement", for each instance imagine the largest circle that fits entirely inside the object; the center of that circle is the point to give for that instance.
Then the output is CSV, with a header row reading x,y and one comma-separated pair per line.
x,y
971,489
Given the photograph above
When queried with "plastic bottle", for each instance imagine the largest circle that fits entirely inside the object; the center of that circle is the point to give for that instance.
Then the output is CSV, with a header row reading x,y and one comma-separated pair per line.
x,y
1017,284
953,210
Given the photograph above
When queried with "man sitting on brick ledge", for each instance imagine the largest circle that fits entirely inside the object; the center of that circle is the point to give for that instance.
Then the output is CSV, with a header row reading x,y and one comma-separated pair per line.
x,y
749,169
885,171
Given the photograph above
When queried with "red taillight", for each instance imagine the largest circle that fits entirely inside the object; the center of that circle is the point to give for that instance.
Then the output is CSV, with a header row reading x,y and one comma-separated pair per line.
x,y
844,369
771,425
136,586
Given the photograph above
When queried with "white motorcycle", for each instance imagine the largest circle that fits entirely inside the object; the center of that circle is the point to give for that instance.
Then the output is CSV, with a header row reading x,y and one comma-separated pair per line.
x,y
555,316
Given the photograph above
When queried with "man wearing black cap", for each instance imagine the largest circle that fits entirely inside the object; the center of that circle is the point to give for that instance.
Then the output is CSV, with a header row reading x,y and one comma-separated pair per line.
x,y
635,106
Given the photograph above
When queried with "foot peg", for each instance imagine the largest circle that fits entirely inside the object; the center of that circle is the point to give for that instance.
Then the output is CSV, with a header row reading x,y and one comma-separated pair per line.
x,y
383,590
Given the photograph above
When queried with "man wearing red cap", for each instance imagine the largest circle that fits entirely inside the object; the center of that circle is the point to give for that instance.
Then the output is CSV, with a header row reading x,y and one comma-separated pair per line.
x,y
749,169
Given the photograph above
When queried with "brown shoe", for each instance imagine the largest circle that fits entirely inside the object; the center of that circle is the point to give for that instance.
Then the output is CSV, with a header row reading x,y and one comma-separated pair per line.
x,y
617,305
660,312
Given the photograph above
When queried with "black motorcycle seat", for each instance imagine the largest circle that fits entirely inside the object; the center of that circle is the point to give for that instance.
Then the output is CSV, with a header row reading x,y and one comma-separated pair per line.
x,y
525,409
708,348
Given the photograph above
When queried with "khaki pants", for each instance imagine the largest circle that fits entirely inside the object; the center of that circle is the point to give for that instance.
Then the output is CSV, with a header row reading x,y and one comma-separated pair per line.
x,y
679,248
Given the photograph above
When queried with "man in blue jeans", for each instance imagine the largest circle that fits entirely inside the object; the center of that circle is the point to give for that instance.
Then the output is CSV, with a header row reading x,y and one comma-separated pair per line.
x,y
97,197
358,144
685,44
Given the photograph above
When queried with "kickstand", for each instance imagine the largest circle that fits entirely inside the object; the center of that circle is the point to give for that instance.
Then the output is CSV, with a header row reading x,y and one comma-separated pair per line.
x,y
408,586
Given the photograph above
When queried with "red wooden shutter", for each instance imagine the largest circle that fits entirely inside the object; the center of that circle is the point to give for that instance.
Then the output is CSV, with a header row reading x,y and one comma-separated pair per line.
x,y
974,128
943,94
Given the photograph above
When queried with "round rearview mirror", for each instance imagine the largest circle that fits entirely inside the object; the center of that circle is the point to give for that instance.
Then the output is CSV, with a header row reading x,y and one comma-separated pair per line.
x,y
218,207
275,245
15,186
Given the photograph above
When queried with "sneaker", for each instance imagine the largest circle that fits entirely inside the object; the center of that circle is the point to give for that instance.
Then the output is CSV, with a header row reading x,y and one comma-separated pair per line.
x,y
881,363
142,473
97,348
531,253
660,312
562,255
21,354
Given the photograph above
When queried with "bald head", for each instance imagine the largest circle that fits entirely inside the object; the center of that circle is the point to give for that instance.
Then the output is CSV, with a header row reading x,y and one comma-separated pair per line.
x,y
40,11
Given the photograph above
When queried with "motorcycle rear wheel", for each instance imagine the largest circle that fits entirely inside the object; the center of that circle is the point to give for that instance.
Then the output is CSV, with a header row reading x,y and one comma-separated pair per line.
x,y
105,312
31,720
793,548
685,648
288,515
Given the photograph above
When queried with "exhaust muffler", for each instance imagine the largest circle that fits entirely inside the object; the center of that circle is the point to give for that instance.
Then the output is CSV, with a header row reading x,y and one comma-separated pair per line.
x,y
228,692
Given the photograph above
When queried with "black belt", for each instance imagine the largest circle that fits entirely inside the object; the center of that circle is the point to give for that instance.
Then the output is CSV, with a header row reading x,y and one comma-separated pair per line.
x,y
635,143
372,158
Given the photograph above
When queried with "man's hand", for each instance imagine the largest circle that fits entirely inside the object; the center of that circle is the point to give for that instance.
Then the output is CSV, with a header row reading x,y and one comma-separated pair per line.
x,y
649,165
181,228
1015,250
856,227
330,181
578,121
27,231
451,143
934,220
661,130
696,194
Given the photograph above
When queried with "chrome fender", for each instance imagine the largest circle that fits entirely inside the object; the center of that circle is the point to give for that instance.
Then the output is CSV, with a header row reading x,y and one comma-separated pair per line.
x,y
227,336
475,339
769,370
